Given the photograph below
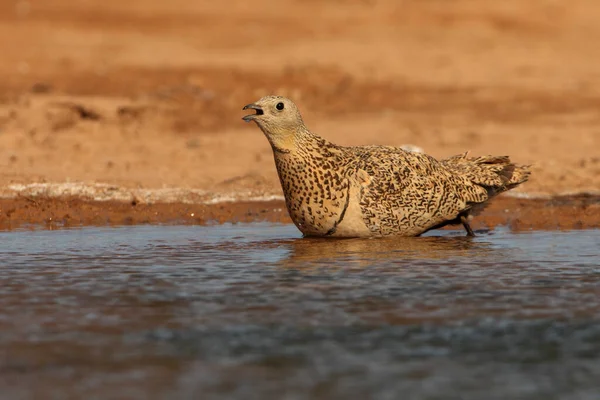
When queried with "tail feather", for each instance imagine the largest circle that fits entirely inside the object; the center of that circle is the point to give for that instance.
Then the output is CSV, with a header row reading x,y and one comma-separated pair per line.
x,y
491,175
520,174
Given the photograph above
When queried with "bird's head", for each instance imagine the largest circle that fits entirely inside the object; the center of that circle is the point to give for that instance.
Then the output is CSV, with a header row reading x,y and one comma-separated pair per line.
x,y
279,119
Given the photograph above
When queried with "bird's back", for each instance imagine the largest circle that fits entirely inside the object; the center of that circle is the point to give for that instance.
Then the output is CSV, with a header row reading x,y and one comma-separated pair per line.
x,y
407,193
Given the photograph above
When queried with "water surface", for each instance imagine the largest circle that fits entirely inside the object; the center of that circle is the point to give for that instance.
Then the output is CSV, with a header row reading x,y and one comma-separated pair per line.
x,y
255,312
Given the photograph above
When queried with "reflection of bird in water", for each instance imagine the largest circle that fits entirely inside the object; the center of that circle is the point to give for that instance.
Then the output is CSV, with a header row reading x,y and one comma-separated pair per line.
x,y
363,191
364,252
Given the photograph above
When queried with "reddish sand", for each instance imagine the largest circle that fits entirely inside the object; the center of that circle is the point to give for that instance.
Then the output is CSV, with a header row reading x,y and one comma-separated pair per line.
x,y
573,212
147,94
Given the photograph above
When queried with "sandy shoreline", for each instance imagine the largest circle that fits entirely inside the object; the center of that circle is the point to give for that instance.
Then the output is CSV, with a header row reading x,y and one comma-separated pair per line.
x,y
54,212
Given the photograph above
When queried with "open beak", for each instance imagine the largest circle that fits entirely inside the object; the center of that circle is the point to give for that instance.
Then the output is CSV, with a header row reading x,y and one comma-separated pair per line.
x,y
250,117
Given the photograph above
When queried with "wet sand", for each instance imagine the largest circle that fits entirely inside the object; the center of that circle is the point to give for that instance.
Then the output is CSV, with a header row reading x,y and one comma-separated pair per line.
x,y
147,96
568,212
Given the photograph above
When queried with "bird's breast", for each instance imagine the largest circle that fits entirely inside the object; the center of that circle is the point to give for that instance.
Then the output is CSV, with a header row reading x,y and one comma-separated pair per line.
x,y
317,196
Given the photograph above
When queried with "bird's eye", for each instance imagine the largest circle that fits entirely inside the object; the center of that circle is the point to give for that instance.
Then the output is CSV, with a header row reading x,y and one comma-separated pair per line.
x,y
279,106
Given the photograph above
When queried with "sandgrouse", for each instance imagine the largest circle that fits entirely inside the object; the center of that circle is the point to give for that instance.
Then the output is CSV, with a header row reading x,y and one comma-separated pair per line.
x,y
362,191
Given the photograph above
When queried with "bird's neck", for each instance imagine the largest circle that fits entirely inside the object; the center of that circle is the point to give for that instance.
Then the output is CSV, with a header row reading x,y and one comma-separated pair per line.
x,y
292,140
305,148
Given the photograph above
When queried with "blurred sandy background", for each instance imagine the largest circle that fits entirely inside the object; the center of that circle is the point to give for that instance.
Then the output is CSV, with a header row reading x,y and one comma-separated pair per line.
x,y
148,93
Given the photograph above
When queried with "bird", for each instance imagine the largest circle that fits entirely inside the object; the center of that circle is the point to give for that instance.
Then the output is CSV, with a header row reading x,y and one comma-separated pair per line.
x,y
372,191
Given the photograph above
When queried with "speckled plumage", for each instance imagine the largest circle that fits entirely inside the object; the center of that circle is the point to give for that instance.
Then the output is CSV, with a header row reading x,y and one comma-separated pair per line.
x,y
338,191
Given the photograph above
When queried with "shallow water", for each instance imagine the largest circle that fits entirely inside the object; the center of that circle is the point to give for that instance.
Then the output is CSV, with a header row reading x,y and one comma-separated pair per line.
x,y
254,312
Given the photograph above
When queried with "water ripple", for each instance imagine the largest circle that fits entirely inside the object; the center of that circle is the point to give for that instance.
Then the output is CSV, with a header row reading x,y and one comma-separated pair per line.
x,y
253,311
